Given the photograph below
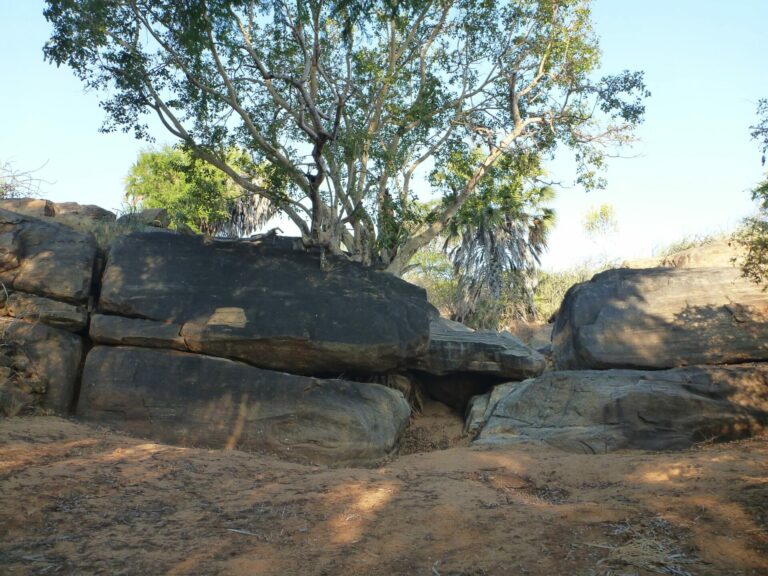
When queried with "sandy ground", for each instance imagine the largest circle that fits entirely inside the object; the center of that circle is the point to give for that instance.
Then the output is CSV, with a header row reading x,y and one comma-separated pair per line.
x,y
80,500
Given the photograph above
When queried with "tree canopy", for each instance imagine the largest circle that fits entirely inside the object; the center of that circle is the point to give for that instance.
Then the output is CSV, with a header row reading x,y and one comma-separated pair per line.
x,y
196,194
354,102
753,236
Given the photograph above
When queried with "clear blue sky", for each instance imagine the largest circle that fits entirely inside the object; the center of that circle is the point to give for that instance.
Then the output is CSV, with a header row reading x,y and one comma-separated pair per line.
x,y
706,63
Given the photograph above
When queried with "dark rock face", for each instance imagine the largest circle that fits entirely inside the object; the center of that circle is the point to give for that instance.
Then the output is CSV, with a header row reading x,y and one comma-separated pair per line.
x,y
601,411
267,304
198,400
461,363
662,318
39,366
46,259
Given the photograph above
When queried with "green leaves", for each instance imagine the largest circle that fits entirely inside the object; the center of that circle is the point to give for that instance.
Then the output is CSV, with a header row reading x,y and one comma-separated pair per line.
x,y
352,102
197,195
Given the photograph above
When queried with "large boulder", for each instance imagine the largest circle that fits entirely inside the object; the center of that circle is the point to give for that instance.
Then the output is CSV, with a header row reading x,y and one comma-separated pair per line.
x,y
192,399
39,367
267,303
661,318
461,363
600,411
44,258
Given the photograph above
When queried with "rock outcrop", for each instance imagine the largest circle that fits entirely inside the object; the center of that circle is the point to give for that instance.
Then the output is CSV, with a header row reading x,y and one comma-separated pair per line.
x,y
46,259
193,399
266,303
600,411
661,318
461,363
46,271
39,367
714,254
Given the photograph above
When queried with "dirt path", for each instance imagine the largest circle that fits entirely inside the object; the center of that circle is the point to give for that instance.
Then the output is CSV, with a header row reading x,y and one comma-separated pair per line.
x,y
80,500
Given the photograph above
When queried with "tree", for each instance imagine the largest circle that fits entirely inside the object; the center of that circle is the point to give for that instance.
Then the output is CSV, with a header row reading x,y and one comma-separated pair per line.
x,y
600,221
753,236
497,238
353,100
196,194
15,183
759,131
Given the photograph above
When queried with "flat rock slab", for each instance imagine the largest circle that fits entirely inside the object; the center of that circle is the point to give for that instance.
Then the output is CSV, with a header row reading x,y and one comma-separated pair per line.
x,y
661,318
191,399
42,367
604,410
46,311
121,331
455,349
267,304
461,363
43,258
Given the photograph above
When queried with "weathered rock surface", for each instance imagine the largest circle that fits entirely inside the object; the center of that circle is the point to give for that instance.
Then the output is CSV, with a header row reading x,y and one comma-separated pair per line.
x,y
40,208
601,411
120,331
661,318
267,304
715,254
40,367
480,407
455,349
199,400
52,312
462,363
89,211
718,254
35,207
44,258
155,217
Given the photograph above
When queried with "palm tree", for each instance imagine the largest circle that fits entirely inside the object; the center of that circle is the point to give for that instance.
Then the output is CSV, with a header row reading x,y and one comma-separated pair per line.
x,y
496,244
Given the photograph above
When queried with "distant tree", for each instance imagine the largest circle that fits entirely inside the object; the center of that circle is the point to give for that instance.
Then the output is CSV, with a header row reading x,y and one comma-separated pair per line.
x,y
197,194
753,236
15,183
350,100
759,131
600,221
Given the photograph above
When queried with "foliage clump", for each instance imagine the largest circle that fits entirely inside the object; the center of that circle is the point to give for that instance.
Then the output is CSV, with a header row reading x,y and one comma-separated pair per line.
x,y
197,195
351,102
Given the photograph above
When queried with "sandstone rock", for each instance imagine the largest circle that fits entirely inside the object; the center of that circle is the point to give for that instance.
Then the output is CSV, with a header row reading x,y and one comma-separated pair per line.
x,y
43,364
199,400
155,217
89,211
460,364
661,318
44,258
601,411
719,254
480,407
267,304
453,350
715,254
118,330
52,312
35,207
